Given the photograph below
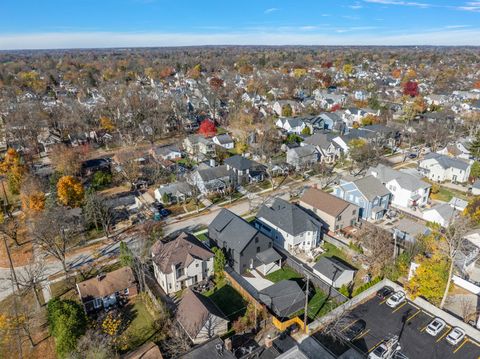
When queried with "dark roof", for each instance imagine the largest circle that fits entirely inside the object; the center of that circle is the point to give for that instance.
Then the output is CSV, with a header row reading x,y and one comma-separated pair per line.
x,y
284,298
212,349
331,268
268,256
180,252
239,162
371,187
149,350
322,140
224,138
213,173
289,217
232,229
194,310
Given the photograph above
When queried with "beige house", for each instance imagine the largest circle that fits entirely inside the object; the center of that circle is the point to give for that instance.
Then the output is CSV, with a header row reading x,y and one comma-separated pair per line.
x,y
336,213
181,262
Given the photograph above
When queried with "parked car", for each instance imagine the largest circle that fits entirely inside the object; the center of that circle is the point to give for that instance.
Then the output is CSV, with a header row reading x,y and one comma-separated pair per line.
x,y
436,326
292,329
412,155
384,292
396,299
354,330
164,212
455,336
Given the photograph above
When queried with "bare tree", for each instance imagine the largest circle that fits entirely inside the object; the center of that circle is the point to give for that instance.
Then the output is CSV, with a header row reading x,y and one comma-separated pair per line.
x,y
379,249
31,277
452,241
99,212
55,232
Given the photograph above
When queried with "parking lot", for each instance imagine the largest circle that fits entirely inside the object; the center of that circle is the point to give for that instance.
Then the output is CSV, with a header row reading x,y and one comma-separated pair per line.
x,y
408,322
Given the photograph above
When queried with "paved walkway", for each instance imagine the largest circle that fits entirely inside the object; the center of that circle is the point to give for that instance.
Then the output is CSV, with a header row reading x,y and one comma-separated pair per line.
x,y
258,282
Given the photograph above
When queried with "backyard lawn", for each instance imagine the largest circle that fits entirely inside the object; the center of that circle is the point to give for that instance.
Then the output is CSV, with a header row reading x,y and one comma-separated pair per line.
x,y
229,301
332,251
141,327
281,274
318,306
446,194
202,237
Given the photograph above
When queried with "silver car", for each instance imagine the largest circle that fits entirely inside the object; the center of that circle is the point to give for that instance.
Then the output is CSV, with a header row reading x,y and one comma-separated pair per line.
x,y
436,326
396,299
455,336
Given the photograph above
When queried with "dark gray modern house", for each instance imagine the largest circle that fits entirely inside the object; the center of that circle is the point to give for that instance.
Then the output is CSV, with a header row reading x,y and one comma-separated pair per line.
x,y
240,241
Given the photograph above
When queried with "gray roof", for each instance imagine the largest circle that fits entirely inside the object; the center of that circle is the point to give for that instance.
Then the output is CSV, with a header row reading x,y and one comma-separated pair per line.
x,y
209,350
232,229
289,217
176,187
224,138
210,174
447,162
405,180
284,297
304,151
268,256
371,187
446,211
476,184
411,227
165,150
239,162
322,140
331,268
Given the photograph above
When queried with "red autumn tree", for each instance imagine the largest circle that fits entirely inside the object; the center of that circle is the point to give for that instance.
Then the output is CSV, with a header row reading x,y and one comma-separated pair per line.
x,y
336,107
410,88
477,85
207,128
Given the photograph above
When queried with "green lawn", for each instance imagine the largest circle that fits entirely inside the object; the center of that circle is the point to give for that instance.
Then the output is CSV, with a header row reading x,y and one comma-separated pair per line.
x,y
284,273
446,194
202,237
332,251
141,327
318,306
229,301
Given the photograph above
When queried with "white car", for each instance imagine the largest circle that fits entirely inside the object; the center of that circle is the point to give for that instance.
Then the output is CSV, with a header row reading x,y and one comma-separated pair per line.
x,y
455,336
396,299
436,326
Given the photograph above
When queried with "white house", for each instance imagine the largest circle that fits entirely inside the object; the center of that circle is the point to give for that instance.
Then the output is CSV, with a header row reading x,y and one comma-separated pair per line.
x,y
181,263
407,190
458,150
334,272
291,124
438,167
289,226
442,214
224,141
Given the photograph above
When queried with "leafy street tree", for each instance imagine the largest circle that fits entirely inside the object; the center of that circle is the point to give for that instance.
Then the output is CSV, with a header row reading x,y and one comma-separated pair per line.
x,y
287,110
13,168
70,191
475,170
474,147
126,255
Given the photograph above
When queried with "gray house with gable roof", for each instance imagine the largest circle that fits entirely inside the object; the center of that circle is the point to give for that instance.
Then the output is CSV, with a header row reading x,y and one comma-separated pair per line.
x,y
289,226
368,193
240,241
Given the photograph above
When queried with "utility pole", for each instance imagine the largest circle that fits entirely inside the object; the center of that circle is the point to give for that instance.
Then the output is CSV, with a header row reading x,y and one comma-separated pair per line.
x,y
305,314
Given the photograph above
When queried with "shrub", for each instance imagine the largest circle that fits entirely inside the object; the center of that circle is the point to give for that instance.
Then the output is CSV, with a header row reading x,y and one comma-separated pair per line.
x,y
67,323
366,286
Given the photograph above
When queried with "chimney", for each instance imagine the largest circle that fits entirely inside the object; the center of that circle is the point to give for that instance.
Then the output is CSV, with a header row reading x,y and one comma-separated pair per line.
x,y
219,348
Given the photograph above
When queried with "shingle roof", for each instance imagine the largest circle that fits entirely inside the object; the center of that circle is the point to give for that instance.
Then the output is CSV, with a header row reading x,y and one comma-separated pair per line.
x,y
411,227
447,162
224,138
322,140
405,180
289,217
371,187
232,229
304,151
194,310
324,201
106,284
331,268
149,350
268,256
179,252
284,297
210,174
239,162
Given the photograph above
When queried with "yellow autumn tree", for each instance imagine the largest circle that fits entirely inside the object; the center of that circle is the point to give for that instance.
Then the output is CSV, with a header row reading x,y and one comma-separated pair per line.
x,y
107,124
14,169
430,278
348,69
299,72
35,201
70,191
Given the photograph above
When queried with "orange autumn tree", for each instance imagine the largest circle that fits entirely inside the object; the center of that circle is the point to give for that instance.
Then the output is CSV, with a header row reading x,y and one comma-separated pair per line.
x,y
70,191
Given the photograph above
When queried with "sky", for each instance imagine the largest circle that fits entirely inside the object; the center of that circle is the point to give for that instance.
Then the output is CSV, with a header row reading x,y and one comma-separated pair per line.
x,y
53,24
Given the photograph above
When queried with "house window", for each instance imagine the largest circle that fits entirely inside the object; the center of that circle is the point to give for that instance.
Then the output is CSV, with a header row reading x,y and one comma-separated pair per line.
x,y
270,245
98,303
354,212
169,285
126,291
339,218
196,264
258,249
256,239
